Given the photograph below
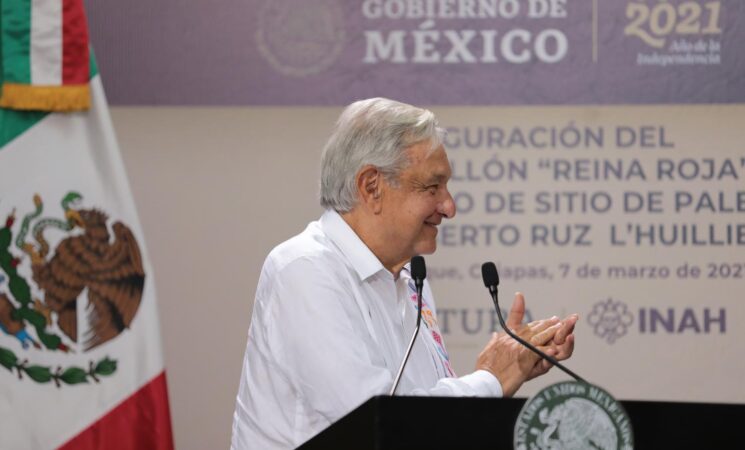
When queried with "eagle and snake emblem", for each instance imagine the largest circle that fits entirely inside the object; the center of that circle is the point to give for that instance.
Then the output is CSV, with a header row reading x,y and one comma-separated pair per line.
x,y
91,262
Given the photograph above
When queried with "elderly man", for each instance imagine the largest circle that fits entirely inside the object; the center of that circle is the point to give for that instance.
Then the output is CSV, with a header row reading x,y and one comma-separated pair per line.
x,y
334,311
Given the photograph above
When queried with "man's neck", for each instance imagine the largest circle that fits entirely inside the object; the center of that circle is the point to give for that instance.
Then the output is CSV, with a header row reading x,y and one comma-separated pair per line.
x,y
365,230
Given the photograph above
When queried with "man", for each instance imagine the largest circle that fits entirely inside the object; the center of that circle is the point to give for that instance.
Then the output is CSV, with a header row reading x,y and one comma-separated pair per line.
x,y
334,311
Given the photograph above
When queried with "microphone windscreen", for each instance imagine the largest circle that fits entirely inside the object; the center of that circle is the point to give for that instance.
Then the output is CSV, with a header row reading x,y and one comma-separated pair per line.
x,y
418,269
489,274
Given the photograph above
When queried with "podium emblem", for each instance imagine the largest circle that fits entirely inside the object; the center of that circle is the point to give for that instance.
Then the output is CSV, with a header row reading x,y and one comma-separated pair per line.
x,y
573,415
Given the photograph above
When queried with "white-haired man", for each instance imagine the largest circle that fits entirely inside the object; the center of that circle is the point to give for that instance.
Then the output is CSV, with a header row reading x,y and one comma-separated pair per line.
x,y
334,311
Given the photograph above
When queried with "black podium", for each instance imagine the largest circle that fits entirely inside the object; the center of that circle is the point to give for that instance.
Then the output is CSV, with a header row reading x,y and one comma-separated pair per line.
x,y
384,423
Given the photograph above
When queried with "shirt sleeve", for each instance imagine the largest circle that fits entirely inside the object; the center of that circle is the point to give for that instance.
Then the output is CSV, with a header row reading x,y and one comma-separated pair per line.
x,y
480,383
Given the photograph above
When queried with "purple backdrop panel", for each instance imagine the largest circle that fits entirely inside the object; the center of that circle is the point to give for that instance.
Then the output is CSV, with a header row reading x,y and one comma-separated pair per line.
x,y
448,52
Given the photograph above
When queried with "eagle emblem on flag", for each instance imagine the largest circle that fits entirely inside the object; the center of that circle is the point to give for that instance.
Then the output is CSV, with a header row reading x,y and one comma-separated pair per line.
x,y
92,266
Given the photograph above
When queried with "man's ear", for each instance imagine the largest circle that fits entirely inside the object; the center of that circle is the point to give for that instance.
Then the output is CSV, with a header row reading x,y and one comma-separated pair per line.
x,y
370,187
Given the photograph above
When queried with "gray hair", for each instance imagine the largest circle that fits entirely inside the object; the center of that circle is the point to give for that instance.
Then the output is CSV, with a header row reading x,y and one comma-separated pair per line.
x,y
376,132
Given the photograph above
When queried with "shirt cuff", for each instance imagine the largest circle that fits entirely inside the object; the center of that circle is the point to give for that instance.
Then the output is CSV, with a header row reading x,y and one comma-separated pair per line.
x,y
484,383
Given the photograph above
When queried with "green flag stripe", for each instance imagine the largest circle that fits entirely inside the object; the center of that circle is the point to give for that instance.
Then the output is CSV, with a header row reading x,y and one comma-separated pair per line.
x,y
93,64
15,34
13,123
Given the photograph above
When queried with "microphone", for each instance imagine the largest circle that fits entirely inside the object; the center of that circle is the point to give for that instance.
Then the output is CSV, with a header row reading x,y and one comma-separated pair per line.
x,y
491,281
418,274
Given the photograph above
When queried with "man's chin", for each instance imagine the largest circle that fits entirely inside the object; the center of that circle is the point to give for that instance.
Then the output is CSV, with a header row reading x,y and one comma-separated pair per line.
x,y
426,248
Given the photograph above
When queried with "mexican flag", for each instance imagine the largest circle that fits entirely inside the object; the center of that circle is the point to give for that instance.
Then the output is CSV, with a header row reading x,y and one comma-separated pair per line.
x,y
80,354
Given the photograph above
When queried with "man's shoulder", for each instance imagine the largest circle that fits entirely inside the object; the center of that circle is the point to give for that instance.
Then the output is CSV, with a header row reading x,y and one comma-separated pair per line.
x,y
307,260
310,248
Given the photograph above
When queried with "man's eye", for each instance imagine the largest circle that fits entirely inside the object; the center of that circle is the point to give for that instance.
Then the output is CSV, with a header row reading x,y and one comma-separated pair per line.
x,y
432,189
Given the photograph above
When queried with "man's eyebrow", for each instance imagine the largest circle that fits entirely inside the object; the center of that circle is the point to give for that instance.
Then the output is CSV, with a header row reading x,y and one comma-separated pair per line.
x,y
438,178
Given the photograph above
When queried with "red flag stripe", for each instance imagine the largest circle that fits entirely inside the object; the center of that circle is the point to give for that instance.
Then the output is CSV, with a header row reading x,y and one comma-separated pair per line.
x,y
74,43
141,422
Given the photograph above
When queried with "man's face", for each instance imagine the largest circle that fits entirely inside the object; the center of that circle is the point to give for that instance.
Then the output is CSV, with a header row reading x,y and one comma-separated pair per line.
x,y
412,210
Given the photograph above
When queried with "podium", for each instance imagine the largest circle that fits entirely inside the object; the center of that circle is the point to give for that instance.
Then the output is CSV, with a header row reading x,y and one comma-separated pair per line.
x,y
383,423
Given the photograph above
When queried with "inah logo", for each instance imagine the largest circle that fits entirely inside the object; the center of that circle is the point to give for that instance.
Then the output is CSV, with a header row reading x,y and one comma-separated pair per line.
x,y
573,415
300,37
610,319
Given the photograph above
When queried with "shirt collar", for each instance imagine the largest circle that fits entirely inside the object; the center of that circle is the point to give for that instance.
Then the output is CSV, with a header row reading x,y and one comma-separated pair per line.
x,y
406,271
363,260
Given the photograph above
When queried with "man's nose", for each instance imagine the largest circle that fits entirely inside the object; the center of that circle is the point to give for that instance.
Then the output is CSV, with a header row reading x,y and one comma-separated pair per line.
x,y
447,206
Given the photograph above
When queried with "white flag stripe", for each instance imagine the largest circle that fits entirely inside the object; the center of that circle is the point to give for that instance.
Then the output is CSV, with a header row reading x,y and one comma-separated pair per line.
x,y
46,42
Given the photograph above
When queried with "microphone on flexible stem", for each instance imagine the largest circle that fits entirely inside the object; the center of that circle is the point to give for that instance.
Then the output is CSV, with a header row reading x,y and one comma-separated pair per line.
x,y
491,281
418,274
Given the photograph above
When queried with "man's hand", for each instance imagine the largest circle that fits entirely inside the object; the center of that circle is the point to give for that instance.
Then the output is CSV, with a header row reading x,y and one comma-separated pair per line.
x,y
561,346
511,362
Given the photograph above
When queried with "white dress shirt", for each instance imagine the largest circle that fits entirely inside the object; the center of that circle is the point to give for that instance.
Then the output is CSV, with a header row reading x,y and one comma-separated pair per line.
x,y
329,328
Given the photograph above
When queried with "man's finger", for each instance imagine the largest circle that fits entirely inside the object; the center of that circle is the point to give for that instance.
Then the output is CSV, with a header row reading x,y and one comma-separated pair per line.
x,y
565,350
546,363
538,326
566,329
546,335
517,311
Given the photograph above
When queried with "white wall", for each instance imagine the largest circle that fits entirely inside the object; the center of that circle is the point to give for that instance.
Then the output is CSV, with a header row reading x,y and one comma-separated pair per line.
x,y
204,181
